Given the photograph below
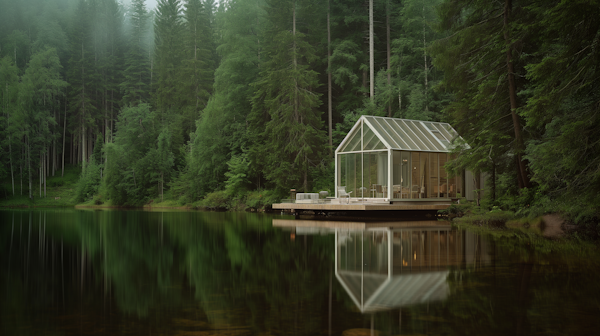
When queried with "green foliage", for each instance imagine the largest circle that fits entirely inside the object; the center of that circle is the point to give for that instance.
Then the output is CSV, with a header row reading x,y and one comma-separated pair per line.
x,y
168,28
140,161
286,126
216,200
88,184
237,93
237,181
323,177
136,74
262,198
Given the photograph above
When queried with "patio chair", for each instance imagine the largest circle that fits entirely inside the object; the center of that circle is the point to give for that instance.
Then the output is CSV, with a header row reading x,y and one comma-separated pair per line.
x,y
379,190
342,193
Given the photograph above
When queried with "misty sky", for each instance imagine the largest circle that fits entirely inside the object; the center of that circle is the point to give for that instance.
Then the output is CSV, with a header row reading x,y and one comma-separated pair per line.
x,y
150,4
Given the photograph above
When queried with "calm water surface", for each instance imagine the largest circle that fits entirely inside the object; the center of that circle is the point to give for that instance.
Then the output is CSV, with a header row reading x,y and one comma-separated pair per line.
x,y
81,272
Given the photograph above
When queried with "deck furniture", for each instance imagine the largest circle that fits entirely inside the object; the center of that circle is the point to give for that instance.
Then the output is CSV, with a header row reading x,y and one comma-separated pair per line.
x,y
307,198
342,193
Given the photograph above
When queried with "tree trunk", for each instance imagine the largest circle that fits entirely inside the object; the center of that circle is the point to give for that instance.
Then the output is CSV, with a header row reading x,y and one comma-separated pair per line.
x,y
47,160
41,167
83,148
64,136
389,56
12,176
425,62
54,147
46,166
21,169
512,91
295,63
305,174
90,146
112,114
493,181
329,93
83,137
195,65
29,169
371,53
105,117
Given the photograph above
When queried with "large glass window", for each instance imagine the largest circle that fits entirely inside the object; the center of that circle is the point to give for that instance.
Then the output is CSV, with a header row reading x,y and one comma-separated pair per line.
x,y
364,174
375,165
415,189
406,170
444,185
401,175
350,172
353,144
433,188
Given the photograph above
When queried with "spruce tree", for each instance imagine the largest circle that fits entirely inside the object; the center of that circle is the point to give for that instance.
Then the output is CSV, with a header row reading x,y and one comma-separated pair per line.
x,y
168,52
285,116
136,81
197,71
81,78
9,130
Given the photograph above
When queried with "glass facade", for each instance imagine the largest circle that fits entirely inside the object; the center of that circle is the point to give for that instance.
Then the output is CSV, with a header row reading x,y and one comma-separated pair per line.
x,y
364,174
397,159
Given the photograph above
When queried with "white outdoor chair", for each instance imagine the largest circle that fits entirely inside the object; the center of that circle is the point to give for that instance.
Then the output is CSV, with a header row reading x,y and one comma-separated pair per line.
x,y
342,193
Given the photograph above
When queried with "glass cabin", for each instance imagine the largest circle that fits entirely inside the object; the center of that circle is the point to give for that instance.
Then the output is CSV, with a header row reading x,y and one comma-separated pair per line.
x,y
396,160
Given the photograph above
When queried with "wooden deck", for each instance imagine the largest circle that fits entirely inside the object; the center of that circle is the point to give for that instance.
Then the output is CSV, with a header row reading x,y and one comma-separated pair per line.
x,y
394,206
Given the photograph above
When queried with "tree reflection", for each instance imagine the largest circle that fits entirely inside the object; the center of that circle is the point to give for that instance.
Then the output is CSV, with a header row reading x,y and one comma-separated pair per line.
x,y
73,272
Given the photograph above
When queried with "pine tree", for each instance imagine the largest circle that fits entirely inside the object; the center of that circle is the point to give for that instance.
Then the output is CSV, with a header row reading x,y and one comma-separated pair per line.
x,y
9,81
40,84
285,102
136,82
221,129
81,78
168,51
474,59
197,71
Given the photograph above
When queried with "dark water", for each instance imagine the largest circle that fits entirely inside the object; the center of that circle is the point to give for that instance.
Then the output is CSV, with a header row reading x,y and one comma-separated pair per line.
x,y
78,272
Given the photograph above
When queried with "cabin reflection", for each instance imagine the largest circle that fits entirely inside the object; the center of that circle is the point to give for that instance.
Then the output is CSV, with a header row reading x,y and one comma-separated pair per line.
x,y
389,265
387,268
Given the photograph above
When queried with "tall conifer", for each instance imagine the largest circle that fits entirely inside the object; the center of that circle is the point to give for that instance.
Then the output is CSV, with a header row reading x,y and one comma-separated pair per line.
x,y
136,83
285,114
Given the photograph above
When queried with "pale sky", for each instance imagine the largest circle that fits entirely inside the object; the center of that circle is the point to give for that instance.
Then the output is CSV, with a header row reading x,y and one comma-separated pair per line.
x,y
150,4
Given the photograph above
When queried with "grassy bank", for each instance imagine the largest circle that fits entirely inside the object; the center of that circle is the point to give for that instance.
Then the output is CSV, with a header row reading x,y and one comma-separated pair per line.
x,y
538,230
258,200
60,191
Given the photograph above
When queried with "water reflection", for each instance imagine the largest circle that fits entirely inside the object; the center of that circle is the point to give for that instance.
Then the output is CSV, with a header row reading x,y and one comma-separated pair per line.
x,y
71,272
389,265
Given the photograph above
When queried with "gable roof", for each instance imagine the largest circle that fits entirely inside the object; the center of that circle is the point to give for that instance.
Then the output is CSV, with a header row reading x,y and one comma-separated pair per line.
x,y
379,133
374,292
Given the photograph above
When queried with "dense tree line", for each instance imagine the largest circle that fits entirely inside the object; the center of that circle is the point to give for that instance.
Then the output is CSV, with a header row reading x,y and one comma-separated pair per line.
x,y
524,75
193,97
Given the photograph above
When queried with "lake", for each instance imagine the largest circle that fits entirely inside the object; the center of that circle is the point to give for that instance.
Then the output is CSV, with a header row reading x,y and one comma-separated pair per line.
x,y
107,272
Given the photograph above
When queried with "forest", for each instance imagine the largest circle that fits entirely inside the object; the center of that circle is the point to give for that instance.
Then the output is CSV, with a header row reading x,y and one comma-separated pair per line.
x,y
237,101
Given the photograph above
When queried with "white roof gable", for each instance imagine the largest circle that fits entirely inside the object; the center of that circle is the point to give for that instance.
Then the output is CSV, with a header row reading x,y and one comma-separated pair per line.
x,y
377,133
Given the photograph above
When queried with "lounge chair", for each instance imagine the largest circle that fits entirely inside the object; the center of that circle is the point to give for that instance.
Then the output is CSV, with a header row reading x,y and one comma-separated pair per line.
x,y
342,193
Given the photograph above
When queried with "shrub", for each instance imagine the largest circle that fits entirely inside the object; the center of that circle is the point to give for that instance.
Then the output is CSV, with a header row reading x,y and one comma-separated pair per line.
x,y
88,183
262,198
217,199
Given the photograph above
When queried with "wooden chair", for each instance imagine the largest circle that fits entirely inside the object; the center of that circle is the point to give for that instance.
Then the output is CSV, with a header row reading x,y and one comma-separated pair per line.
x,y
379,190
